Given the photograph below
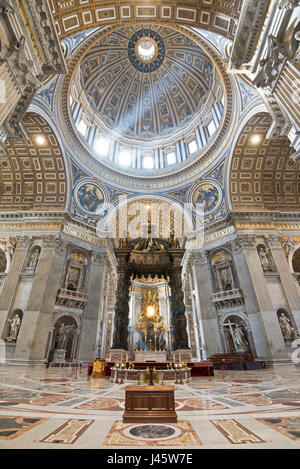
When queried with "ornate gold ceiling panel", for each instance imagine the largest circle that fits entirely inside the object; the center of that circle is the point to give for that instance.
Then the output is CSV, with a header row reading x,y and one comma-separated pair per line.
x,y
33,175
262,175
75,16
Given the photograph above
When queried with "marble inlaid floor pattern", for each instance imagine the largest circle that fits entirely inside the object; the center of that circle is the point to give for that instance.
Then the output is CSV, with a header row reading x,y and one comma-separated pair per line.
x,y
55,408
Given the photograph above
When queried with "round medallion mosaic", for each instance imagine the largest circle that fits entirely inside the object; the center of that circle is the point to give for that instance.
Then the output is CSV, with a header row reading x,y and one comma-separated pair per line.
x,y
207,196
152,432
146,50
89,198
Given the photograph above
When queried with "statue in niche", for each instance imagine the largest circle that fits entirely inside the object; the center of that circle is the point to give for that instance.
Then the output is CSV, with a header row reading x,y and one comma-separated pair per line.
x,y
239,339
33,261
72,278
286,327
226,278
10,247
63,335
14,327
265,259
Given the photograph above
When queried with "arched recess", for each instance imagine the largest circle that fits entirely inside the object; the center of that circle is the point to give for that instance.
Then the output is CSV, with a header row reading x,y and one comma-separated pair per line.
x,y
213,15
64,337
33,172
233,342
12,326
262,175
296,260
3,261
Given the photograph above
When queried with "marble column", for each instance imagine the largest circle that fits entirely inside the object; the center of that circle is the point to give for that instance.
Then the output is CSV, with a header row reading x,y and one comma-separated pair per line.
x,y
88,347
203,296
9,288
178,317
34,332
197,327
268,323
286,277
121,319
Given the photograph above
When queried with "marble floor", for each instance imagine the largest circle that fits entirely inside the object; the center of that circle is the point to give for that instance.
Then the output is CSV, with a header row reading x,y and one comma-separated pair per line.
x,y
58,408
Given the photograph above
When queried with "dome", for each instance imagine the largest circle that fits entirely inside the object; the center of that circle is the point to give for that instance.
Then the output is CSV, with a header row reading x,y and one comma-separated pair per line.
x,y
146,97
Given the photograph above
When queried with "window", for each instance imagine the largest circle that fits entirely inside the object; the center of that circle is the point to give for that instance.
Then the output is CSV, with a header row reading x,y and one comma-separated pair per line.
x,y
101,146
82,127
171,158
148,162
211,128
193,147
125,158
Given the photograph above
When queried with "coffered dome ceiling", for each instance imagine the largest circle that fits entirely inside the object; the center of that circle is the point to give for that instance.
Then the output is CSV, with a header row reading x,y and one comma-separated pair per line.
x,y
147,83
144,98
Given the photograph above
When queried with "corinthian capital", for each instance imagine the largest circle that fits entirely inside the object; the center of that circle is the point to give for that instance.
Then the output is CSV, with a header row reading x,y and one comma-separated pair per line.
x,y
98,258
235,245
61,247
23,242
248,241
273,241
201,258
49,242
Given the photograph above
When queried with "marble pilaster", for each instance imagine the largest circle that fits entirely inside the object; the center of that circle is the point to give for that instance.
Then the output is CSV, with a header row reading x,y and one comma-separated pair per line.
x,y
12,279
34,332
88,347
203,296
286,277
268,323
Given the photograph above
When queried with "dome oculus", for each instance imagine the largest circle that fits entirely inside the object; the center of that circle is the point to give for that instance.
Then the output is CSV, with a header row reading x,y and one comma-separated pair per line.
x,y
146,50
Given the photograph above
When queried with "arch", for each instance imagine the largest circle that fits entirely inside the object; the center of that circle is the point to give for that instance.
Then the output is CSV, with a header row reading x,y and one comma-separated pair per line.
x,y
33,108
33,173
256,109
216,16
64,339
229,323
296,260
262,176
3,261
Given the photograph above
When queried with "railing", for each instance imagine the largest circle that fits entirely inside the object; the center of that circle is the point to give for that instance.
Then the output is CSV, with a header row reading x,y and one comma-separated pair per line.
x,y
228,297
71,299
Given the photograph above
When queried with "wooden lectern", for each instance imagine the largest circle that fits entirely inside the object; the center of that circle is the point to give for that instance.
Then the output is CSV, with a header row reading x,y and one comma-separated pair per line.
x,y
145,404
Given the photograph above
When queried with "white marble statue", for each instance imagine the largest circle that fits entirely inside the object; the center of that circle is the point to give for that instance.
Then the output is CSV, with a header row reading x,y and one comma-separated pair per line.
x,y
14,327
285,325
63,335
239,339
34,258
264,259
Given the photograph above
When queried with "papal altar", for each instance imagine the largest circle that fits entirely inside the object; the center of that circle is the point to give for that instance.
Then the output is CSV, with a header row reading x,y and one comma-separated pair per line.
x,y
160,374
